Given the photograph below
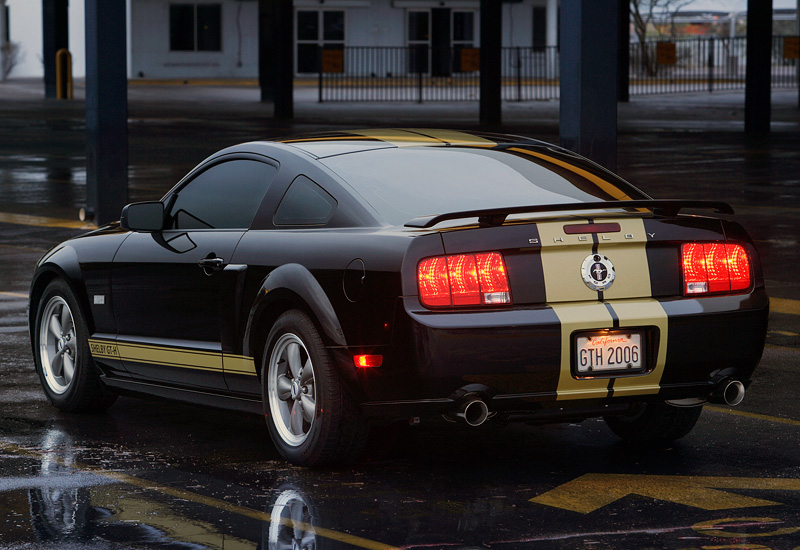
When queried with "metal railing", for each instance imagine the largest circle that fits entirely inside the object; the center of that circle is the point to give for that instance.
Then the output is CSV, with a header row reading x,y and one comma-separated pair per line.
x,y
419,73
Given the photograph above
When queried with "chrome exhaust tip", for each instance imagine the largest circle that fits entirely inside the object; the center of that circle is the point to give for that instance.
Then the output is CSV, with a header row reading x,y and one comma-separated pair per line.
x,y
729,392
733,393
473,411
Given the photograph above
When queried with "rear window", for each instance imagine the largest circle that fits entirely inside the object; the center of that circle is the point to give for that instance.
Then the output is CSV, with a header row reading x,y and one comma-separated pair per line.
x,y
407,182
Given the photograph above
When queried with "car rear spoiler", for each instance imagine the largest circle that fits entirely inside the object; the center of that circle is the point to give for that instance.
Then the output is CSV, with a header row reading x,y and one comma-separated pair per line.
x,y
497,216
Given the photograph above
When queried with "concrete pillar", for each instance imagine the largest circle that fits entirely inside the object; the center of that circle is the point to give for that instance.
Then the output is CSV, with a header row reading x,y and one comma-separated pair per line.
x,y
491,62
589,79
106,109
624,51
3,37
758,81
276,55
551,38
552,24
55,35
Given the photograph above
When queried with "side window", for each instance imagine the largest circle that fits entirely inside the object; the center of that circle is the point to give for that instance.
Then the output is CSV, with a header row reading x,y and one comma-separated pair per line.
x,y
226,196
305,203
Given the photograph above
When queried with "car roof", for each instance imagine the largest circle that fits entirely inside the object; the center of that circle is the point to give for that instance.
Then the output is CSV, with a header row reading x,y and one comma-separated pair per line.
x,y
354,141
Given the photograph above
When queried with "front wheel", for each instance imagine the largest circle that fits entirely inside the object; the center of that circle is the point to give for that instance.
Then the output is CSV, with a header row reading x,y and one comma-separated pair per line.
x,y
311,418
70,379
654,422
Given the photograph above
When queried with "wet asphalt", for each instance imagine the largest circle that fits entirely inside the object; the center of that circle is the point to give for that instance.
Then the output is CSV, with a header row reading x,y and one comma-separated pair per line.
x,y
157,474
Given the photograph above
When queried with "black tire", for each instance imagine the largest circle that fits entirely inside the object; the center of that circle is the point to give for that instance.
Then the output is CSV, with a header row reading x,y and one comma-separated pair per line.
x,y
654,423
69,376
311,418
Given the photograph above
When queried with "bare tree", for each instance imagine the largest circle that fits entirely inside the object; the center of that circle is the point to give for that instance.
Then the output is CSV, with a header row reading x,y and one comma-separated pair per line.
x,y
643,13
10,54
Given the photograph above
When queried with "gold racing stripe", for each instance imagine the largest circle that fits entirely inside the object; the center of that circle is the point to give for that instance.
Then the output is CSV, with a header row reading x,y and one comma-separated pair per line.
x,y
454,137
399,138
578,307
642,313
172,357
579,316
416,137
239,364
606,186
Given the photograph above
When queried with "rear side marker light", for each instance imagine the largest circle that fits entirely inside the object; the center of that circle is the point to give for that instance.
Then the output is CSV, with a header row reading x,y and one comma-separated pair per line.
x,y
710,268
368,361
463,280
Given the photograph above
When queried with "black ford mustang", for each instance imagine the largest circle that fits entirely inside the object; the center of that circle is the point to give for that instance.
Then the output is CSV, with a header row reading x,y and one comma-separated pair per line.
x,y
345,280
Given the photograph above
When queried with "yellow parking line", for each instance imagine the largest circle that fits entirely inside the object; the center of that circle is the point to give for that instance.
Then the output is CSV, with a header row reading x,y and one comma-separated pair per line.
x,y
190,496
754,416
784,305
41,221
13,294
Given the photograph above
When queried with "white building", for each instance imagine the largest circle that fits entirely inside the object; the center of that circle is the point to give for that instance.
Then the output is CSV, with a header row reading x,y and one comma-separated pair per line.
x,y
175,39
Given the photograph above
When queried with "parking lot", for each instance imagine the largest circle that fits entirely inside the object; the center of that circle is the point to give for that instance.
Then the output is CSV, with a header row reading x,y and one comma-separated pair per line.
x,y
157,474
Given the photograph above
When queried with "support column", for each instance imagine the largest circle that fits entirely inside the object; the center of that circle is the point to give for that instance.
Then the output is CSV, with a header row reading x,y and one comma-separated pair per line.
x,y
552,23
758,81
551,38
491,62
276,55
589,79
106,109
3,36
624,51
55,35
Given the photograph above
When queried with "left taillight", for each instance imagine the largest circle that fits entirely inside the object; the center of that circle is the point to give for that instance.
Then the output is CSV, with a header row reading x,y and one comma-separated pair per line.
x,y
712,268
463,280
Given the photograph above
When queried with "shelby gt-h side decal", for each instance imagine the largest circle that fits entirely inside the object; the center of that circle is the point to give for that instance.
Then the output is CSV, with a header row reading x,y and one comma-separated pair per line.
x,y
171,357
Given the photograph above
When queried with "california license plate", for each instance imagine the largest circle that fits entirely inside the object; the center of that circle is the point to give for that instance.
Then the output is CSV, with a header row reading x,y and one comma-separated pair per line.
x,y
609,351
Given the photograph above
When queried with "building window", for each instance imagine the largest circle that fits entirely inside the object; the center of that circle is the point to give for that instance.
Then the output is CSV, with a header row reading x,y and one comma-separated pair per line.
x,y
418,38
315,29
195,27
463,34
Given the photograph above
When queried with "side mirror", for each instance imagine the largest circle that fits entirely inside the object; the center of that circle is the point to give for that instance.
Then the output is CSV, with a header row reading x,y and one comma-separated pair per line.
x,y
143,216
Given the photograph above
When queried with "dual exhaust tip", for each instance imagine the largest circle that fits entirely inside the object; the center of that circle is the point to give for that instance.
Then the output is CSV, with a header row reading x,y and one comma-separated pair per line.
x,y
729,392
472,410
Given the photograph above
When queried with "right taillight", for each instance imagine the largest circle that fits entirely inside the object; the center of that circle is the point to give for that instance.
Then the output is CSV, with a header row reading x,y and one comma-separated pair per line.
x,y
463,280
714,268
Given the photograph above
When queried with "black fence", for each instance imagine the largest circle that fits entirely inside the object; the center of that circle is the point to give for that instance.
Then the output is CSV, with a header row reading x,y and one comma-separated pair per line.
x,y
419,73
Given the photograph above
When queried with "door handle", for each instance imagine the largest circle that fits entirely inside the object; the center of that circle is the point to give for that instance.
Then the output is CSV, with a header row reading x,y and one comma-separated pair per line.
x,y
211,264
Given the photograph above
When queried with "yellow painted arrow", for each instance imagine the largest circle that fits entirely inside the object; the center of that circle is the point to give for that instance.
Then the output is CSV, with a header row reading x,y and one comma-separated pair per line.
x,y
593,491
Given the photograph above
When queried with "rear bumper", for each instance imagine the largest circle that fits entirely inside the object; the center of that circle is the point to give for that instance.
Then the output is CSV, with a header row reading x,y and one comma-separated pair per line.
x,y
519,360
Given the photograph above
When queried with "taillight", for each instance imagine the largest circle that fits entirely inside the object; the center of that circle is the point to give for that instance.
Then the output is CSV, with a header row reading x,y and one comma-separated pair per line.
x,y
714,268
463,280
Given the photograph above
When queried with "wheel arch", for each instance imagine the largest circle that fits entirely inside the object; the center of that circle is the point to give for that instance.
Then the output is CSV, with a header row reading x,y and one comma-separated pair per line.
x,y
63,265
290,286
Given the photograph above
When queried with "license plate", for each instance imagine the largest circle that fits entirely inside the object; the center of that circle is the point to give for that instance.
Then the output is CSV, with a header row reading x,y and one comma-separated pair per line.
x,y
609,351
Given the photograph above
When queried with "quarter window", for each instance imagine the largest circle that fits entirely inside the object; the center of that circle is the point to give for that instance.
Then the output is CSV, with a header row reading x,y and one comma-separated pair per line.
x,y
195,27
305,203
226,196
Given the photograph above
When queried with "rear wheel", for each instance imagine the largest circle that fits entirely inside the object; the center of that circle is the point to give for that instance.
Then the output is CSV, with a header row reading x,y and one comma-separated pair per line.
x,y
654,422
70,379
310,417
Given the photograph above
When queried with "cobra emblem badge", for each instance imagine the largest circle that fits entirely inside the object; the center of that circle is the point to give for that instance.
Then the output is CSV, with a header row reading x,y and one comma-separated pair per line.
x,y
598,272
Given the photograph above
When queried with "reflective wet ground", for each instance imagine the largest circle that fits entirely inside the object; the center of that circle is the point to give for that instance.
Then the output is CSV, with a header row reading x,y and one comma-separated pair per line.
x,y
155,474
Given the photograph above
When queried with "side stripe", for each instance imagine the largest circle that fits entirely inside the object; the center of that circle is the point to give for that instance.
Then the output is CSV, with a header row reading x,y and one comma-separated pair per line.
x,y
172,357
